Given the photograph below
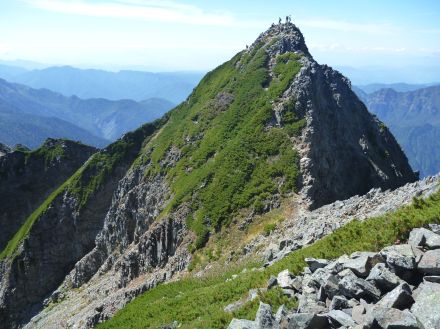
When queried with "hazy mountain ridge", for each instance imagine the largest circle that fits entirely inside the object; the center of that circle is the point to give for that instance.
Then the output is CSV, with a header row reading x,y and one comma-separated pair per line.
x,y
399,87
410,74
97,121
414,118
92,83
32,130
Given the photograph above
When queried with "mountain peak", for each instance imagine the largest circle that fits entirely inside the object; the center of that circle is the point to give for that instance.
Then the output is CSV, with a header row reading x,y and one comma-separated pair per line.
x,y
282,38
267,125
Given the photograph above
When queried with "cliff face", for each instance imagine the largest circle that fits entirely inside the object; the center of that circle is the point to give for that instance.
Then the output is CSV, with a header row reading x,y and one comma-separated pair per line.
x,y
61,231
268,123
28,178
347,151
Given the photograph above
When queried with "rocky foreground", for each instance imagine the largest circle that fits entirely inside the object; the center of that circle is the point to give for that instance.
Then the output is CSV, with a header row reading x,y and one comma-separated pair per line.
x,y
396,288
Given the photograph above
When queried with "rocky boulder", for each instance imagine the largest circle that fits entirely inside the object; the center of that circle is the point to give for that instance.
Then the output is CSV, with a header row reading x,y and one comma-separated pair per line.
x,y
363,290
391,318
430,262
383,278
427,304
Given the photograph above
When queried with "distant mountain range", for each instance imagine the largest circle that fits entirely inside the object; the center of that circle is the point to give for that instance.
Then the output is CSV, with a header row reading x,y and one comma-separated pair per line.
x,y
135,85
401,86
410,74
414,118
28,116
32,130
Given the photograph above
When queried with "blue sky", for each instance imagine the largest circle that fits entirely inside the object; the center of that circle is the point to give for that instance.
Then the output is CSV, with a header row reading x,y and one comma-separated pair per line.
x,y
199,35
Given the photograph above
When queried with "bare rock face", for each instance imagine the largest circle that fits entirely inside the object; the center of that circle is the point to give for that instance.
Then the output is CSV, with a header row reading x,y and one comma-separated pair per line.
x,y
346,151
28,177
350,151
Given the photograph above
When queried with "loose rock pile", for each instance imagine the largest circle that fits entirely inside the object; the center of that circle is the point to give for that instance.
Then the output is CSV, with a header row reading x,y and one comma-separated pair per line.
x,y
396,288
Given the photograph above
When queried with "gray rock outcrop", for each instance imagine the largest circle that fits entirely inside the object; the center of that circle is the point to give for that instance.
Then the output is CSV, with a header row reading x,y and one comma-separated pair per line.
x,y
4,149
381,301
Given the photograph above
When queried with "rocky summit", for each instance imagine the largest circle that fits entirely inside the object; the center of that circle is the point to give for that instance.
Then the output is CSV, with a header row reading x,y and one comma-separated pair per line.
x,y
267,126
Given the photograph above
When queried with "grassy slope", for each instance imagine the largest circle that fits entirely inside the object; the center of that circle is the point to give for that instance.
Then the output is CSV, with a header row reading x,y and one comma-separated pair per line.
x,y
86,180
198,303
229,158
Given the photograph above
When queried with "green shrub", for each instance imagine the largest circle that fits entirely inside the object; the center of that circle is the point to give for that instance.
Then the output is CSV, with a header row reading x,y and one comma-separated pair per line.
x,y
268,228
258,206
295,128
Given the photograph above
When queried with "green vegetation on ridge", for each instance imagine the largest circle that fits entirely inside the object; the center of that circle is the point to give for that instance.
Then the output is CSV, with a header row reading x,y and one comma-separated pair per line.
x,y
199,302
89,178
101,165
231,153
49,152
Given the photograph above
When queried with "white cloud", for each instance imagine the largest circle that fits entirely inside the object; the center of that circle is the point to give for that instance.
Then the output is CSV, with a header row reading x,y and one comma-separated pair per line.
x,y
151,10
